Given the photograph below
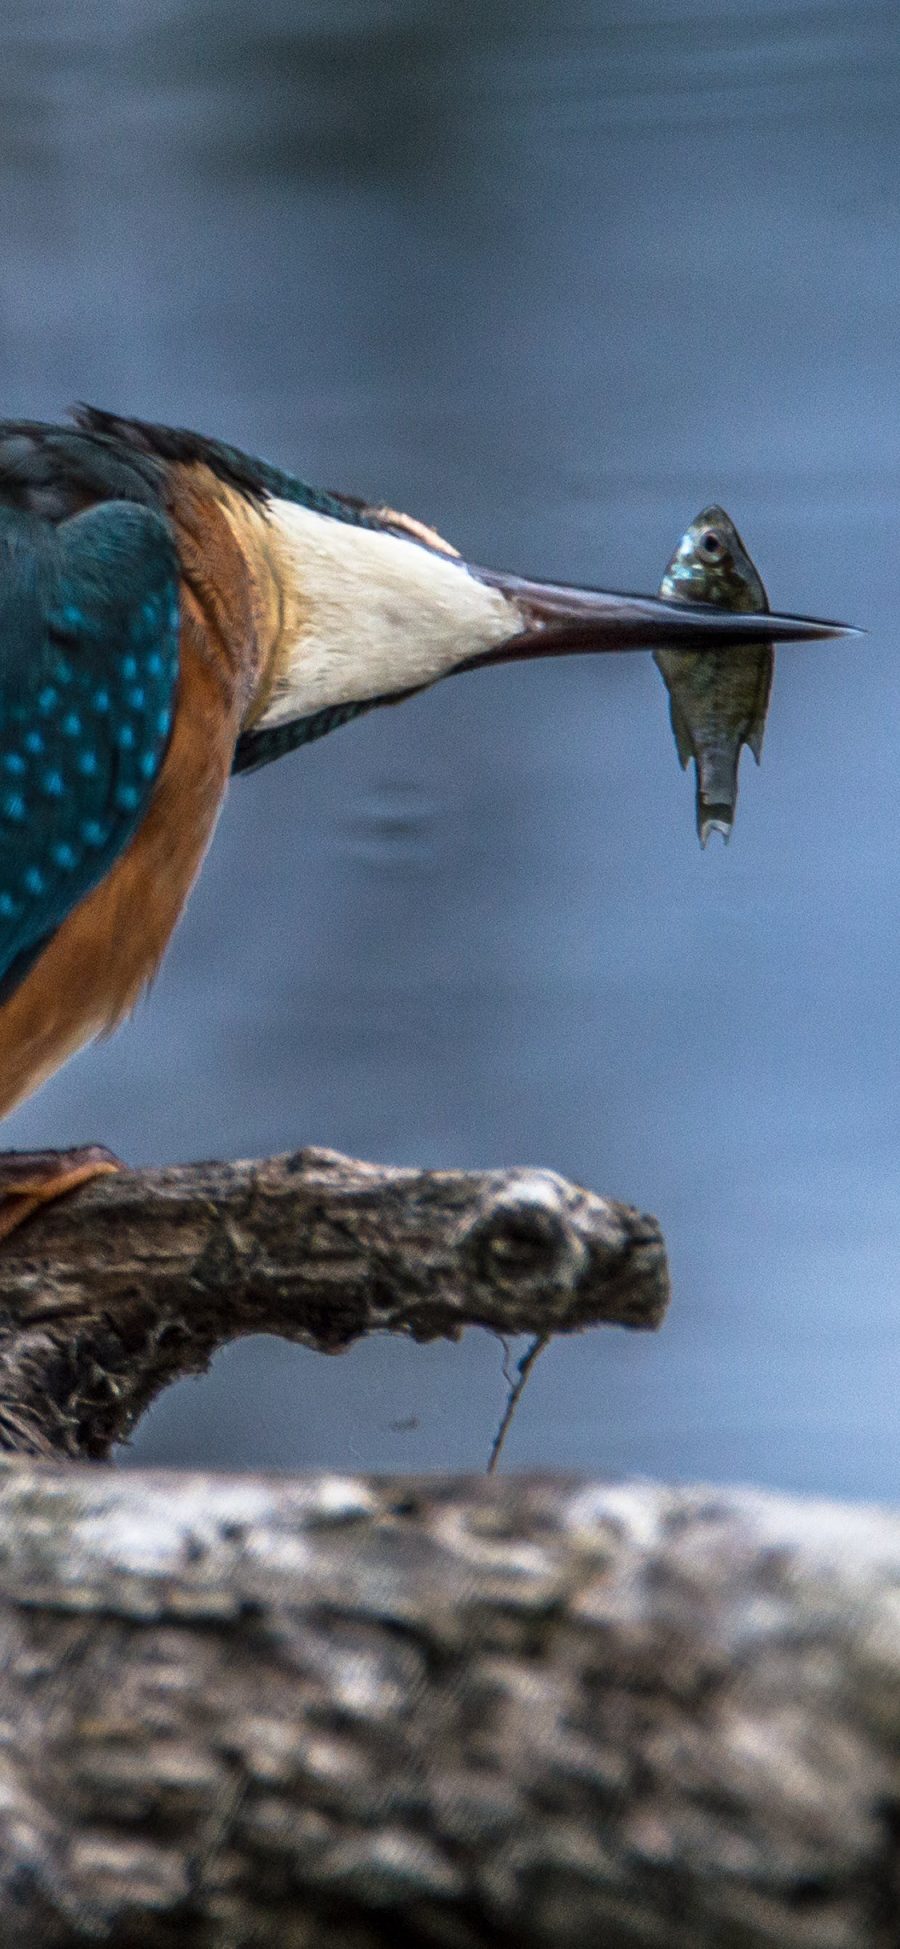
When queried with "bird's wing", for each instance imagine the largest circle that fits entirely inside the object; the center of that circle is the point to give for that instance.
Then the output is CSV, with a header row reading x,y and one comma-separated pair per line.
x,y
89,634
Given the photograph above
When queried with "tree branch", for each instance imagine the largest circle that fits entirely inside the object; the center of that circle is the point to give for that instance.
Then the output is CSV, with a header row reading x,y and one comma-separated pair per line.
x,y
450,1714
139,1278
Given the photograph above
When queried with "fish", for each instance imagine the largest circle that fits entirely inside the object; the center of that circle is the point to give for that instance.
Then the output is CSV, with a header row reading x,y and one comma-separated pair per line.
x,y
717,701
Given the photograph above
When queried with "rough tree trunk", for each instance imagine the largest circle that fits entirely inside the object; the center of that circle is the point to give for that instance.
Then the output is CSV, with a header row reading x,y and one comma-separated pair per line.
x,y
462,1715
257,1712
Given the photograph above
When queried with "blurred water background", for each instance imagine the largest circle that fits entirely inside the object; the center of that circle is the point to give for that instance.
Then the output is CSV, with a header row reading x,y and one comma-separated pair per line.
x,y
550,277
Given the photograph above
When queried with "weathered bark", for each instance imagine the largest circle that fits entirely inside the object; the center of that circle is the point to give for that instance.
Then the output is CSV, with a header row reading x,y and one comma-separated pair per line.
x,y
239,1713
138,1279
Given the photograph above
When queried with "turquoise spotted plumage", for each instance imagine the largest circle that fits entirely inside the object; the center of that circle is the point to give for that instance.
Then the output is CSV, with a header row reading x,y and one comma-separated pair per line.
x,y
89,630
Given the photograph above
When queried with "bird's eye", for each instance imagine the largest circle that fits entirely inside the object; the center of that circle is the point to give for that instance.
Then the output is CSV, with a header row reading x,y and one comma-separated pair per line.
x,y
710,543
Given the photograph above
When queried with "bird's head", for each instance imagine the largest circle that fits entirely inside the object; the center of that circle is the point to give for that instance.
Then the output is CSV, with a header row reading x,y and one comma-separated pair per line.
x,y
358,605
374,606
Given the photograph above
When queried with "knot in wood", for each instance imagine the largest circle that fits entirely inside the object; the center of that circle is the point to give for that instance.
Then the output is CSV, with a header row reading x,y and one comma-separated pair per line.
x,y
524,1238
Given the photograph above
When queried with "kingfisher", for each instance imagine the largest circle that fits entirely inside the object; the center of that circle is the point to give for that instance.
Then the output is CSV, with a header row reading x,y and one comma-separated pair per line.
x,y
173,611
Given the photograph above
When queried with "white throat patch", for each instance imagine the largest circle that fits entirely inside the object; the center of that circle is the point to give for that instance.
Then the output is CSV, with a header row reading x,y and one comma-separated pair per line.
x,y
368,613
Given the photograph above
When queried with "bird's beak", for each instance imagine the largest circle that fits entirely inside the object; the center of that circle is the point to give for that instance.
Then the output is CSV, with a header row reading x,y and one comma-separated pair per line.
x,y
558,621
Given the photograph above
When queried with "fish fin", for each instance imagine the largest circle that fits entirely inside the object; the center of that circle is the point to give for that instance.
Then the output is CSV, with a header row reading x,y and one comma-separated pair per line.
x,y
757,730
717,775
714,818
755,737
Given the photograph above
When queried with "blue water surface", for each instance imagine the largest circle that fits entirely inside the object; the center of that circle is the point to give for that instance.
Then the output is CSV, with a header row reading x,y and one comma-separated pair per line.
x,y
551,278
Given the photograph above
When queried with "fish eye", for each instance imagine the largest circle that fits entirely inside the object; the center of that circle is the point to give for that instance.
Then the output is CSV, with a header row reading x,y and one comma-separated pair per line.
x,y
710,543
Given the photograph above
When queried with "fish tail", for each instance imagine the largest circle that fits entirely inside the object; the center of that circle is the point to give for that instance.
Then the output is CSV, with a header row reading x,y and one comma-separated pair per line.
x,y
717,773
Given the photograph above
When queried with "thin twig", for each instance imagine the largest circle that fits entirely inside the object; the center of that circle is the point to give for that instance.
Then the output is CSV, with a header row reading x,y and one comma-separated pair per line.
x,y
517,1386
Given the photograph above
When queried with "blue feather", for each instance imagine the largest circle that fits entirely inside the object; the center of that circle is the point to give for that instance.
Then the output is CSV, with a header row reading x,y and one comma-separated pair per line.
x,y
88,669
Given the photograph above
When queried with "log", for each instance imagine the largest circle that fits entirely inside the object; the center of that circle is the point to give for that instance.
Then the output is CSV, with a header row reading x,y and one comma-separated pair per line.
x,y
502,1714
138,1278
